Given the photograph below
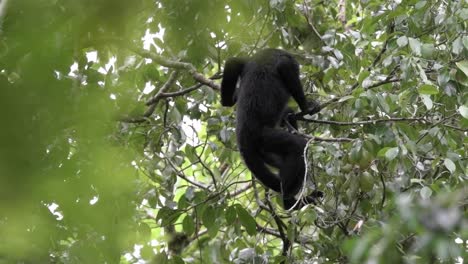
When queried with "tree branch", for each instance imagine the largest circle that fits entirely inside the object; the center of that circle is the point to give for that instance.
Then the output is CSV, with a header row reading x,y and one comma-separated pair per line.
x,y
368,122
241,190
321,139
181,92
172,79
176,65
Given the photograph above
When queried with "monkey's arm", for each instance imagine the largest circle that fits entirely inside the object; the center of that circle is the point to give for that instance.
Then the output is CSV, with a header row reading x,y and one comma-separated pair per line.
x,y
289,72
232,71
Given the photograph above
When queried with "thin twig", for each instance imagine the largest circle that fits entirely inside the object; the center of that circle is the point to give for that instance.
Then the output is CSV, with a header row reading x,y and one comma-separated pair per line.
x,y
321,139
280,225
181,175
383,191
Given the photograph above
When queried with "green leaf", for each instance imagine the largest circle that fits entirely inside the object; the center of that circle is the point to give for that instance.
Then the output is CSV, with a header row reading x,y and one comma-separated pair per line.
x,y
464,14
167,216
382,152
147,252
175,115
160,258
427,101
420,4
427,89
391,153
443,78
402,41
224,134
177,260
415,46
439,19
213,230
425,192
246,220
190,153
463,66
188,224
230,215
308,215
427,50
346,98
363,75
291,232
457,46
465,42
209,216
450,165
463,111
144,232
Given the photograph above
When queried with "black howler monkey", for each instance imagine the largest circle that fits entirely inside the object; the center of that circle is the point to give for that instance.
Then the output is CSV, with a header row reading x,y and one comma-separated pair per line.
x,y
267,81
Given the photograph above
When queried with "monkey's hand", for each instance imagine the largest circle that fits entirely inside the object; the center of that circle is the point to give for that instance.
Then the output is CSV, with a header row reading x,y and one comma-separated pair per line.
x,y
312,107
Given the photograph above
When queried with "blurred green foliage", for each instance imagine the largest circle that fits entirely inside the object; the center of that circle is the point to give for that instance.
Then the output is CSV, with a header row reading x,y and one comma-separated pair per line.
x,y
87,177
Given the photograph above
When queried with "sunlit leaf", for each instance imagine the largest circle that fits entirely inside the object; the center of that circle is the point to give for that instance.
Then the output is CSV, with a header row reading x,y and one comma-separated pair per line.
x,y
427,50
450,165
463,109
463,66
415,46
420,4
427,101
457,46
391,153
426,192
402,41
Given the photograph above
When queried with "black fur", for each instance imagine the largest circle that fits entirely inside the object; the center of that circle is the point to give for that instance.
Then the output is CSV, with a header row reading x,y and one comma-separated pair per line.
x,y
267,81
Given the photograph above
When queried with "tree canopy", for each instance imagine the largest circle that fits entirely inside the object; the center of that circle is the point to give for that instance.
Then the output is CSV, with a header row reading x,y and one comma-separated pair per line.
x,y
115,147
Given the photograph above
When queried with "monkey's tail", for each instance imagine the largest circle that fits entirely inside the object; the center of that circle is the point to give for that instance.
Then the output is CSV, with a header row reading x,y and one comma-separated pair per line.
x,y
232,71
254,161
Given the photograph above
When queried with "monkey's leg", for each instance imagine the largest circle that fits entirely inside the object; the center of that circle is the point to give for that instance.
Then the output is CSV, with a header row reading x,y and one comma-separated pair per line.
x,y
273,159
254,159
292,170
